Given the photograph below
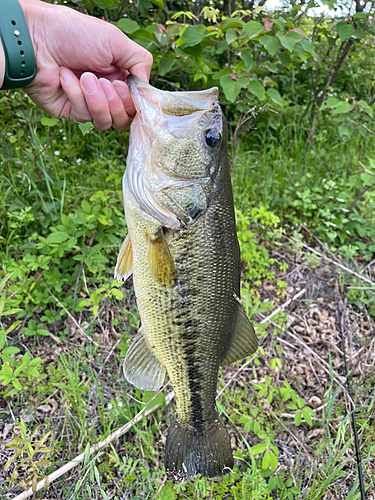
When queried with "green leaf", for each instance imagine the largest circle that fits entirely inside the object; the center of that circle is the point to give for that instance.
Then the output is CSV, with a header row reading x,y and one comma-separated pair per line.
x,y
307,412
345,31
26,358
127,25
280,22
300,52
343,107
275,96
331,102
232,22
166,63
368,109
166,493
143,37
159,400
308,47
256,88
247,58
284,58
104,4
232,87
297,418
16,384
289,40
49,122
358,34
258,448
266,460
85,127
86,206
300,402
252,29
193,35
58,237
158,3
11,350
368,179
7,370
270,43
222,72
285,42
2,339
230,36
33,372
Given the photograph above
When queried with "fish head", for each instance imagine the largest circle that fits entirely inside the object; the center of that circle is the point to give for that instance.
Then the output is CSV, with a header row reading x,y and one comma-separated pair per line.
x,y
177,142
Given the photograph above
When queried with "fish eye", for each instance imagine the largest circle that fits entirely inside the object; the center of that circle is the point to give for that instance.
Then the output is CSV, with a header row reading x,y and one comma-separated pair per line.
x,y
212,137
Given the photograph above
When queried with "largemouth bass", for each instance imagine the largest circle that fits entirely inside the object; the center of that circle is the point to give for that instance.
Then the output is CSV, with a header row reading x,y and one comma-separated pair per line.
x,y
183,252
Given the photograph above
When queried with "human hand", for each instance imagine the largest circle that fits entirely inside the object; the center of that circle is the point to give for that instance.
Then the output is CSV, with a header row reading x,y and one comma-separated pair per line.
x,y
82,63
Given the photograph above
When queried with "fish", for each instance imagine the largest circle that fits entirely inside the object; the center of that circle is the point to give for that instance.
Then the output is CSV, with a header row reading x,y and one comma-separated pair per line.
x,y
182,250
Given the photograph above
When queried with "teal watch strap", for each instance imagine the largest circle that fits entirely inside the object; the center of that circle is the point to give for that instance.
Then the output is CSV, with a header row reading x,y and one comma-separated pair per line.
x,y
20,67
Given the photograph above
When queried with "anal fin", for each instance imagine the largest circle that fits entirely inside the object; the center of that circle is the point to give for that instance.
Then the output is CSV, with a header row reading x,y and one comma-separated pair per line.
x,y
141,367
160,261
124,265
244,341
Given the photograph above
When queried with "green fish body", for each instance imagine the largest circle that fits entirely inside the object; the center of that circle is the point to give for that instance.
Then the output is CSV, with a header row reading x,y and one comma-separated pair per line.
x,y
183,252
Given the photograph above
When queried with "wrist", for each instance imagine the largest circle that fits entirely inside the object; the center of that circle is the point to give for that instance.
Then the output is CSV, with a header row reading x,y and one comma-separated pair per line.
x,y
17,54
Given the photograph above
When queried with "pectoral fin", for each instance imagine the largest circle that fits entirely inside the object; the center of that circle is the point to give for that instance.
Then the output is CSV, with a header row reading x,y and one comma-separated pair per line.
x,y
160,261
141,367
244,341
124,265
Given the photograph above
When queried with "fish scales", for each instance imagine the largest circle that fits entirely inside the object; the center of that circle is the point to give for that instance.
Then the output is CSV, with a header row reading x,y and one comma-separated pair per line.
x,y
185,273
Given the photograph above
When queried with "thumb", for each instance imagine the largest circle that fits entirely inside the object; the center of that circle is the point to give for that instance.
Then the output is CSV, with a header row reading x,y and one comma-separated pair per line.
x,y
132,57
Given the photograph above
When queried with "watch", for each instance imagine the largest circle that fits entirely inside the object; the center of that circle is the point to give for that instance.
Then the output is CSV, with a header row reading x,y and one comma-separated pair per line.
x,y
20,68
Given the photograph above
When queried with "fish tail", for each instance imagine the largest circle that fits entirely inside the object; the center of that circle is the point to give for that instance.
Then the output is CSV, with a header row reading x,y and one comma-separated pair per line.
x,y
189,451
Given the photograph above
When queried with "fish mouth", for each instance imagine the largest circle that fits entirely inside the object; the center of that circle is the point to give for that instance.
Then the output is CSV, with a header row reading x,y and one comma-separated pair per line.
x,y
147,98
159,111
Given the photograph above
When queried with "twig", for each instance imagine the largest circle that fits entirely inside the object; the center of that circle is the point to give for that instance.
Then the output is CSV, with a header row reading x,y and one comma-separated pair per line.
x,y
160,487
77,281
283,306
352,406
344,268
96,447
320,361
74,320
236,374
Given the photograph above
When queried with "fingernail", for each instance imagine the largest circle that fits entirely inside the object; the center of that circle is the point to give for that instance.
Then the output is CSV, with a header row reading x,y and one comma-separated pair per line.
x,y
107,88
121,88
89,83
65,74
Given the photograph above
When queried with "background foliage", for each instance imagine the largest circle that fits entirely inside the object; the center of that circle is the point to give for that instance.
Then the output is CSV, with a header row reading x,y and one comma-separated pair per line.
x,y
297,87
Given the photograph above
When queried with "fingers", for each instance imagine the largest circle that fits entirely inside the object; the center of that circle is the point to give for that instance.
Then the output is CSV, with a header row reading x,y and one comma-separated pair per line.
x,y
123,91
96,101
72,88
103,103
120,118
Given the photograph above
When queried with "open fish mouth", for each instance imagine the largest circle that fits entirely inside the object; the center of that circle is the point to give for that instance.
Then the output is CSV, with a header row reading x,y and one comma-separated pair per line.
x,y
161,182
147,98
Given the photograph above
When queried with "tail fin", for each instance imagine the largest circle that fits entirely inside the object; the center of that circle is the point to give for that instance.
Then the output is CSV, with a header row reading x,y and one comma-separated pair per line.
x,y
189,452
